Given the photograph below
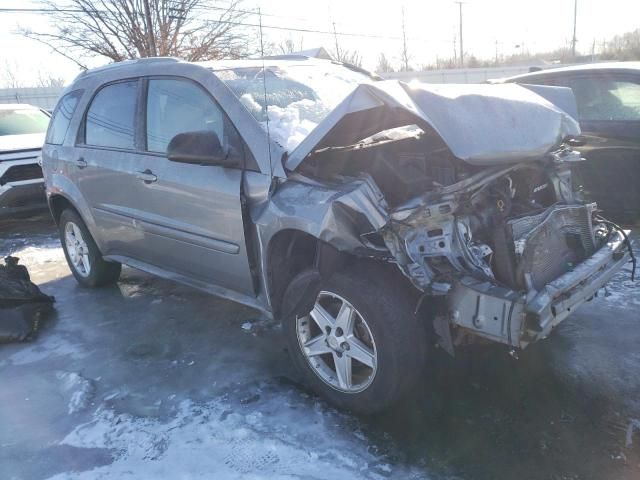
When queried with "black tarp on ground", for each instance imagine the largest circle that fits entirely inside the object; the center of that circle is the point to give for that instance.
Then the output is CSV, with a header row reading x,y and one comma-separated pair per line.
x,y
22,304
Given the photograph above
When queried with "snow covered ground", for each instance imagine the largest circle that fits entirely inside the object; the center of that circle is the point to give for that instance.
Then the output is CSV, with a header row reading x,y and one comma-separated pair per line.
x,y
150,379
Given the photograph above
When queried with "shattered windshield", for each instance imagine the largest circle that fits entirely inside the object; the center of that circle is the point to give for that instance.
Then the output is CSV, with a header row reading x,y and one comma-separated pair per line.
x,y
298,97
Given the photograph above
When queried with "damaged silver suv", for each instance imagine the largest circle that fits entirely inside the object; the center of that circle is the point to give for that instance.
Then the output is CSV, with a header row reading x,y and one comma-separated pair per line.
x,y
374,219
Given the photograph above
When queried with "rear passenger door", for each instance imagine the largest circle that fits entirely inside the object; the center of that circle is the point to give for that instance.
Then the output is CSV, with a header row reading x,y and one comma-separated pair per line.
x,y
105,164
193,218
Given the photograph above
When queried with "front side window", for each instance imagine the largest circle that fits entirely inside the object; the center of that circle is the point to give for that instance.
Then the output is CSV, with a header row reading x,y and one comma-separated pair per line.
x,y
178,106
22,121
602,98
110,118
62,117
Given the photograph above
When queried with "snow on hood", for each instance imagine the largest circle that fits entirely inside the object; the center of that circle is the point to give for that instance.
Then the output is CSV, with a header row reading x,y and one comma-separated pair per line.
x,y
27,141
481,124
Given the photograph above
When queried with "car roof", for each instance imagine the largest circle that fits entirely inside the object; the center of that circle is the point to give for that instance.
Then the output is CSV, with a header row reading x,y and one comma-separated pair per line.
x,y
586,67
275,61
214,65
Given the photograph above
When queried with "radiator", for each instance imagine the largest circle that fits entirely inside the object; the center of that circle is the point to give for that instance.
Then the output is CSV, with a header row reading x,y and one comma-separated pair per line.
x,y
544,246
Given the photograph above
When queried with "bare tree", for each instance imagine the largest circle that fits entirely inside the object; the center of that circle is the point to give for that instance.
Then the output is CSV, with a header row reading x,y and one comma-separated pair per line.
x,y
343,55
123,29
287,46
384,65
622,47
10,75
351,57
49,80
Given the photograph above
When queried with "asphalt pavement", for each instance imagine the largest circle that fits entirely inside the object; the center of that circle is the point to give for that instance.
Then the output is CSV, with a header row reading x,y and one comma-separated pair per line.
x,y
150,379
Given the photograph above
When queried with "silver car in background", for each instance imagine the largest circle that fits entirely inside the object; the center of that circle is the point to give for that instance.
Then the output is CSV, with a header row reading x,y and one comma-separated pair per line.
x,y
374,219
22,130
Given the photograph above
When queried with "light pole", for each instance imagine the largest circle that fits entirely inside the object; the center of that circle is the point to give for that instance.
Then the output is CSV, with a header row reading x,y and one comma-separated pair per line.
x,y
573,41
461,46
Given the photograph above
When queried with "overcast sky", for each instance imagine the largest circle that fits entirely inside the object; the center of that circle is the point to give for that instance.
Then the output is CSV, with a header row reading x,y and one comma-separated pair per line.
x,y
431,26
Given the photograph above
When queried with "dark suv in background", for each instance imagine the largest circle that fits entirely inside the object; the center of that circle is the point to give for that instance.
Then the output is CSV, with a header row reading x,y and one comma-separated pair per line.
x,y
608,101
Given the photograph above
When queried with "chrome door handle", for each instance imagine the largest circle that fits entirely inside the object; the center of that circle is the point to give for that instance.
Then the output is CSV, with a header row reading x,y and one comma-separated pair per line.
x,y
147,176
81,163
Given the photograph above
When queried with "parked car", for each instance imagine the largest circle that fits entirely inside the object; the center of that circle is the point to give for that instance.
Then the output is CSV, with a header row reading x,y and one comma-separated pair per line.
x,y
22,129
373,219
608,101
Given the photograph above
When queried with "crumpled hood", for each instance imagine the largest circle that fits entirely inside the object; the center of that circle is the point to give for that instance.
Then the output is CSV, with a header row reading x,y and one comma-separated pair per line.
x,y
28,141
481,124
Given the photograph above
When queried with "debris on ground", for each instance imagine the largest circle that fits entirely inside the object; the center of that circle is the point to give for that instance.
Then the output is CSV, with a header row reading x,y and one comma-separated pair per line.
x,y
22,303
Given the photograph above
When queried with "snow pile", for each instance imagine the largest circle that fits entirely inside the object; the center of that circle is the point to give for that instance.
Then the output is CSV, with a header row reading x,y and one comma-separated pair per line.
x,y
80,389
37,255
290,125
275,437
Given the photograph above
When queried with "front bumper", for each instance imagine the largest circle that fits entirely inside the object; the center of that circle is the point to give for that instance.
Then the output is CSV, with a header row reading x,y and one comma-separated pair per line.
x,y
503,315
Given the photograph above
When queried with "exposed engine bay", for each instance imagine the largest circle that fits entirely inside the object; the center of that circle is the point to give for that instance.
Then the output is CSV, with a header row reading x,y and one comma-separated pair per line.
x,y
490,239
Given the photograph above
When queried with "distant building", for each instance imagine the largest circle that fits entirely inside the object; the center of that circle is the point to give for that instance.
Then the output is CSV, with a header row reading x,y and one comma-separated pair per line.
x,y
43,97
319,52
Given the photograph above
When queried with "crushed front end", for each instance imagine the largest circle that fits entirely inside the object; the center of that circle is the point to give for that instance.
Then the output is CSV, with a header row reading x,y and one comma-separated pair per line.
x,y
479,208
510,249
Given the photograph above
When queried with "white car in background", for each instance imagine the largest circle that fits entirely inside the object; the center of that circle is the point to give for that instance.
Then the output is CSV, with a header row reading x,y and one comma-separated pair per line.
x,y
22,131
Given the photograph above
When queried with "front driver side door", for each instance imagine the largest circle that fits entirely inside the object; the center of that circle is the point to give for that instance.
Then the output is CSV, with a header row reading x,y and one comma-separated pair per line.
x,y
193,218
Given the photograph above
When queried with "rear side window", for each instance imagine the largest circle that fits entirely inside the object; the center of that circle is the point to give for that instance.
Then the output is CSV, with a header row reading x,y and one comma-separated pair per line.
x,y
62,117
602,98
110,118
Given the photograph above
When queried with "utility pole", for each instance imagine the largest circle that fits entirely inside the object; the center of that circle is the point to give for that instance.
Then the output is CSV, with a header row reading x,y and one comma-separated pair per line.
x,y
496,51
575,16
405,53
461,46
455,50
335,37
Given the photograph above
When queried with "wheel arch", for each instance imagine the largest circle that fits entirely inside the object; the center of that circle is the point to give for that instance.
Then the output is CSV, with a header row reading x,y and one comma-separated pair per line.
x,y
289,252
59,203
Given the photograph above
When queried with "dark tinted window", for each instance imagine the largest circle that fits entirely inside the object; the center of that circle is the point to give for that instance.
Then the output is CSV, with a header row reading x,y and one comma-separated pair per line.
x,y
604,98
21,121
179,106
110,118
62,117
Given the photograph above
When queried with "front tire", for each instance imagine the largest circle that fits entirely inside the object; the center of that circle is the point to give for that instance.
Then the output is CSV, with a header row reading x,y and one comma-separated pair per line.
x,y
82,254
360,346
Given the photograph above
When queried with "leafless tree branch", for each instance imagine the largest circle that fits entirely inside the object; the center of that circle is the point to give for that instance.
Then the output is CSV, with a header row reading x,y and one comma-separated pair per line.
x,y
122,29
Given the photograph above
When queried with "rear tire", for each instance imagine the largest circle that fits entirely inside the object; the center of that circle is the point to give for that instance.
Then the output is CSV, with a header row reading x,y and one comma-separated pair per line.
x,y
384,348
83,256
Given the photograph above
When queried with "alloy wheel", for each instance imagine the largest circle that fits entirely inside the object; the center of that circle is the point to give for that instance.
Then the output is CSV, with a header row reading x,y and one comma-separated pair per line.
x,y
338,344
77,249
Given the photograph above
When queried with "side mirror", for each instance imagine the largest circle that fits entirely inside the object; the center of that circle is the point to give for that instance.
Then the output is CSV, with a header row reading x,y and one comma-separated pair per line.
x,y
201,148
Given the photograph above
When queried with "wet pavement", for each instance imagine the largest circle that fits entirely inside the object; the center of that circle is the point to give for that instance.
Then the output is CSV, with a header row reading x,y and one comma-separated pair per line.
x,y
150,379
